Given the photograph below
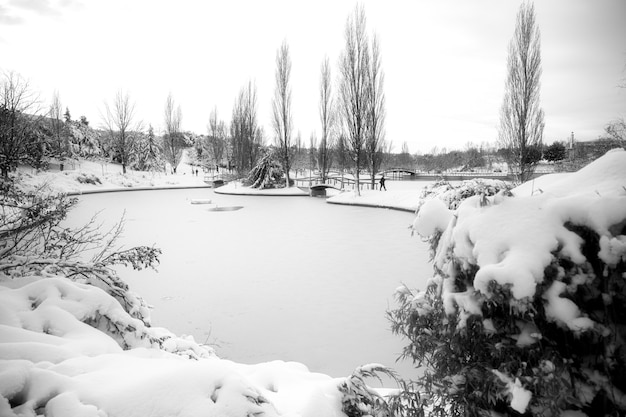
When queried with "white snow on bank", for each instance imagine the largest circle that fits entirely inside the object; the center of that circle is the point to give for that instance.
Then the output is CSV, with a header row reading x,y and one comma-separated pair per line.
x,y
95,176
61,355
397,199
605,176
237,188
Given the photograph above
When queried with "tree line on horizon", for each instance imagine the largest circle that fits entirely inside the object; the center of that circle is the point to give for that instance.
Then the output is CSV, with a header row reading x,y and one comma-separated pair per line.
x,y
351,113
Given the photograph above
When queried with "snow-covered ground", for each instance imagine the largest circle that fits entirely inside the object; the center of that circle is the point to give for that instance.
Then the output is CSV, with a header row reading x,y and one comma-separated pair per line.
x,y
61,353
90,176
236,188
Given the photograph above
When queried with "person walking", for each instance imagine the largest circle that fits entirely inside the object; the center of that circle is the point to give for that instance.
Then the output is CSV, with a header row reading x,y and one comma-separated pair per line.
x,y
382,183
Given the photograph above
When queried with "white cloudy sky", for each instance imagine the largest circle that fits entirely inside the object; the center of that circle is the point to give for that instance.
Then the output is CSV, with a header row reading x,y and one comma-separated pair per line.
x,y
444,61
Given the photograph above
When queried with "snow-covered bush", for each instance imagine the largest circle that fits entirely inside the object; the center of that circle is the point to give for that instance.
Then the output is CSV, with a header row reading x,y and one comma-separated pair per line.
x,y
525,312
267,173
431,219
84,178
359,399
33,243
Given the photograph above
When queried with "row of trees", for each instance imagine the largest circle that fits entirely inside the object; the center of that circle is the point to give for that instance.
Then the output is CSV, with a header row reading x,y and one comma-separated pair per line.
x,y
30,135
351,113
352,120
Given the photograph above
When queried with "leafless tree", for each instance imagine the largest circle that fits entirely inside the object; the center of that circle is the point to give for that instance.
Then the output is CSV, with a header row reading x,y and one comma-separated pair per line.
x,y
521,117
173,141
281,108
217,137
60,141
312,151
120,123
19,108
353,87
341,151
327,119
375,142
246,136
616,131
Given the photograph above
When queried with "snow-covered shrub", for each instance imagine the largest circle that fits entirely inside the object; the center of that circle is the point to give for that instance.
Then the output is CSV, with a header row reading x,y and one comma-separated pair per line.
x,y
431,220
267,173
84,178
360,400
33,243
525,312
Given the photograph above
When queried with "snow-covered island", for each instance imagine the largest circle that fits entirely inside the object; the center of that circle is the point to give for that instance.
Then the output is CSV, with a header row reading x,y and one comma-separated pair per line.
x,y
509,267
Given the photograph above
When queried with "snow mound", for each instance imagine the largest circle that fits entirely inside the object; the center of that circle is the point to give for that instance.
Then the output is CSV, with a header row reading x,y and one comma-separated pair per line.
x,y
604,176
69,349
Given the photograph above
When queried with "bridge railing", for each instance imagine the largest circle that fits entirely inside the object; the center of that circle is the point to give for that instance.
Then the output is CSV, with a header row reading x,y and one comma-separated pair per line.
x,y
339,182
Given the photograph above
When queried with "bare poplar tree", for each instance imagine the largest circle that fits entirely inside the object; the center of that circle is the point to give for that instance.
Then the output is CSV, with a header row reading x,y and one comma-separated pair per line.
x,y
327,119
375,142
312,152
19,108
173,141
521,117
246,136
119,121
60,141
217,137
353,87
341,152
281,108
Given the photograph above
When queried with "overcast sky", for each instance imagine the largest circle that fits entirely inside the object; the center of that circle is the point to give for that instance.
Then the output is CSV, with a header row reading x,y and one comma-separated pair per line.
x,y
444,61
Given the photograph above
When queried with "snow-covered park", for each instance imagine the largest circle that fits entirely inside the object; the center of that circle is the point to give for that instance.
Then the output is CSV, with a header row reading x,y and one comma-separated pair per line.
x,y
69,347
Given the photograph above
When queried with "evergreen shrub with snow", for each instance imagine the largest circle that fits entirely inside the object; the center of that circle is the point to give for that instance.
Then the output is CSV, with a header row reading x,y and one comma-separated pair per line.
x,y
526,311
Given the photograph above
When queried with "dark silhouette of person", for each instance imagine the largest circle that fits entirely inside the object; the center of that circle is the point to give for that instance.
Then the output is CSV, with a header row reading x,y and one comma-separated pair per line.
x,y
382,183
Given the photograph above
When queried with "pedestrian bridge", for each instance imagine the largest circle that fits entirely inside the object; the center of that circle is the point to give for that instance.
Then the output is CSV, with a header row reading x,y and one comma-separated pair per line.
x,y
319,190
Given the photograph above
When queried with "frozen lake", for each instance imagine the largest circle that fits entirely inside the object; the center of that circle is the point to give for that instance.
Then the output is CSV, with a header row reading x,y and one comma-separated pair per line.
x,y
289,278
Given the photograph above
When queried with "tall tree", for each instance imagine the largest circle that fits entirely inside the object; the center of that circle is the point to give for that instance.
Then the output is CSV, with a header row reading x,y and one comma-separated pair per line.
x,y
327,120
217,137
281,108
246,137
19,106
342,153
375,142
312,152
354,86
173,141
120,123
521,117
60,140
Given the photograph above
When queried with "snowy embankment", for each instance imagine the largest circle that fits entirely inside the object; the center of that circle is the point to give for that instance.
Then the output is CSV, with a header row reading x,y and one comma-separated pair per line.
x,y
237,188
412,199
397,199
102,177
